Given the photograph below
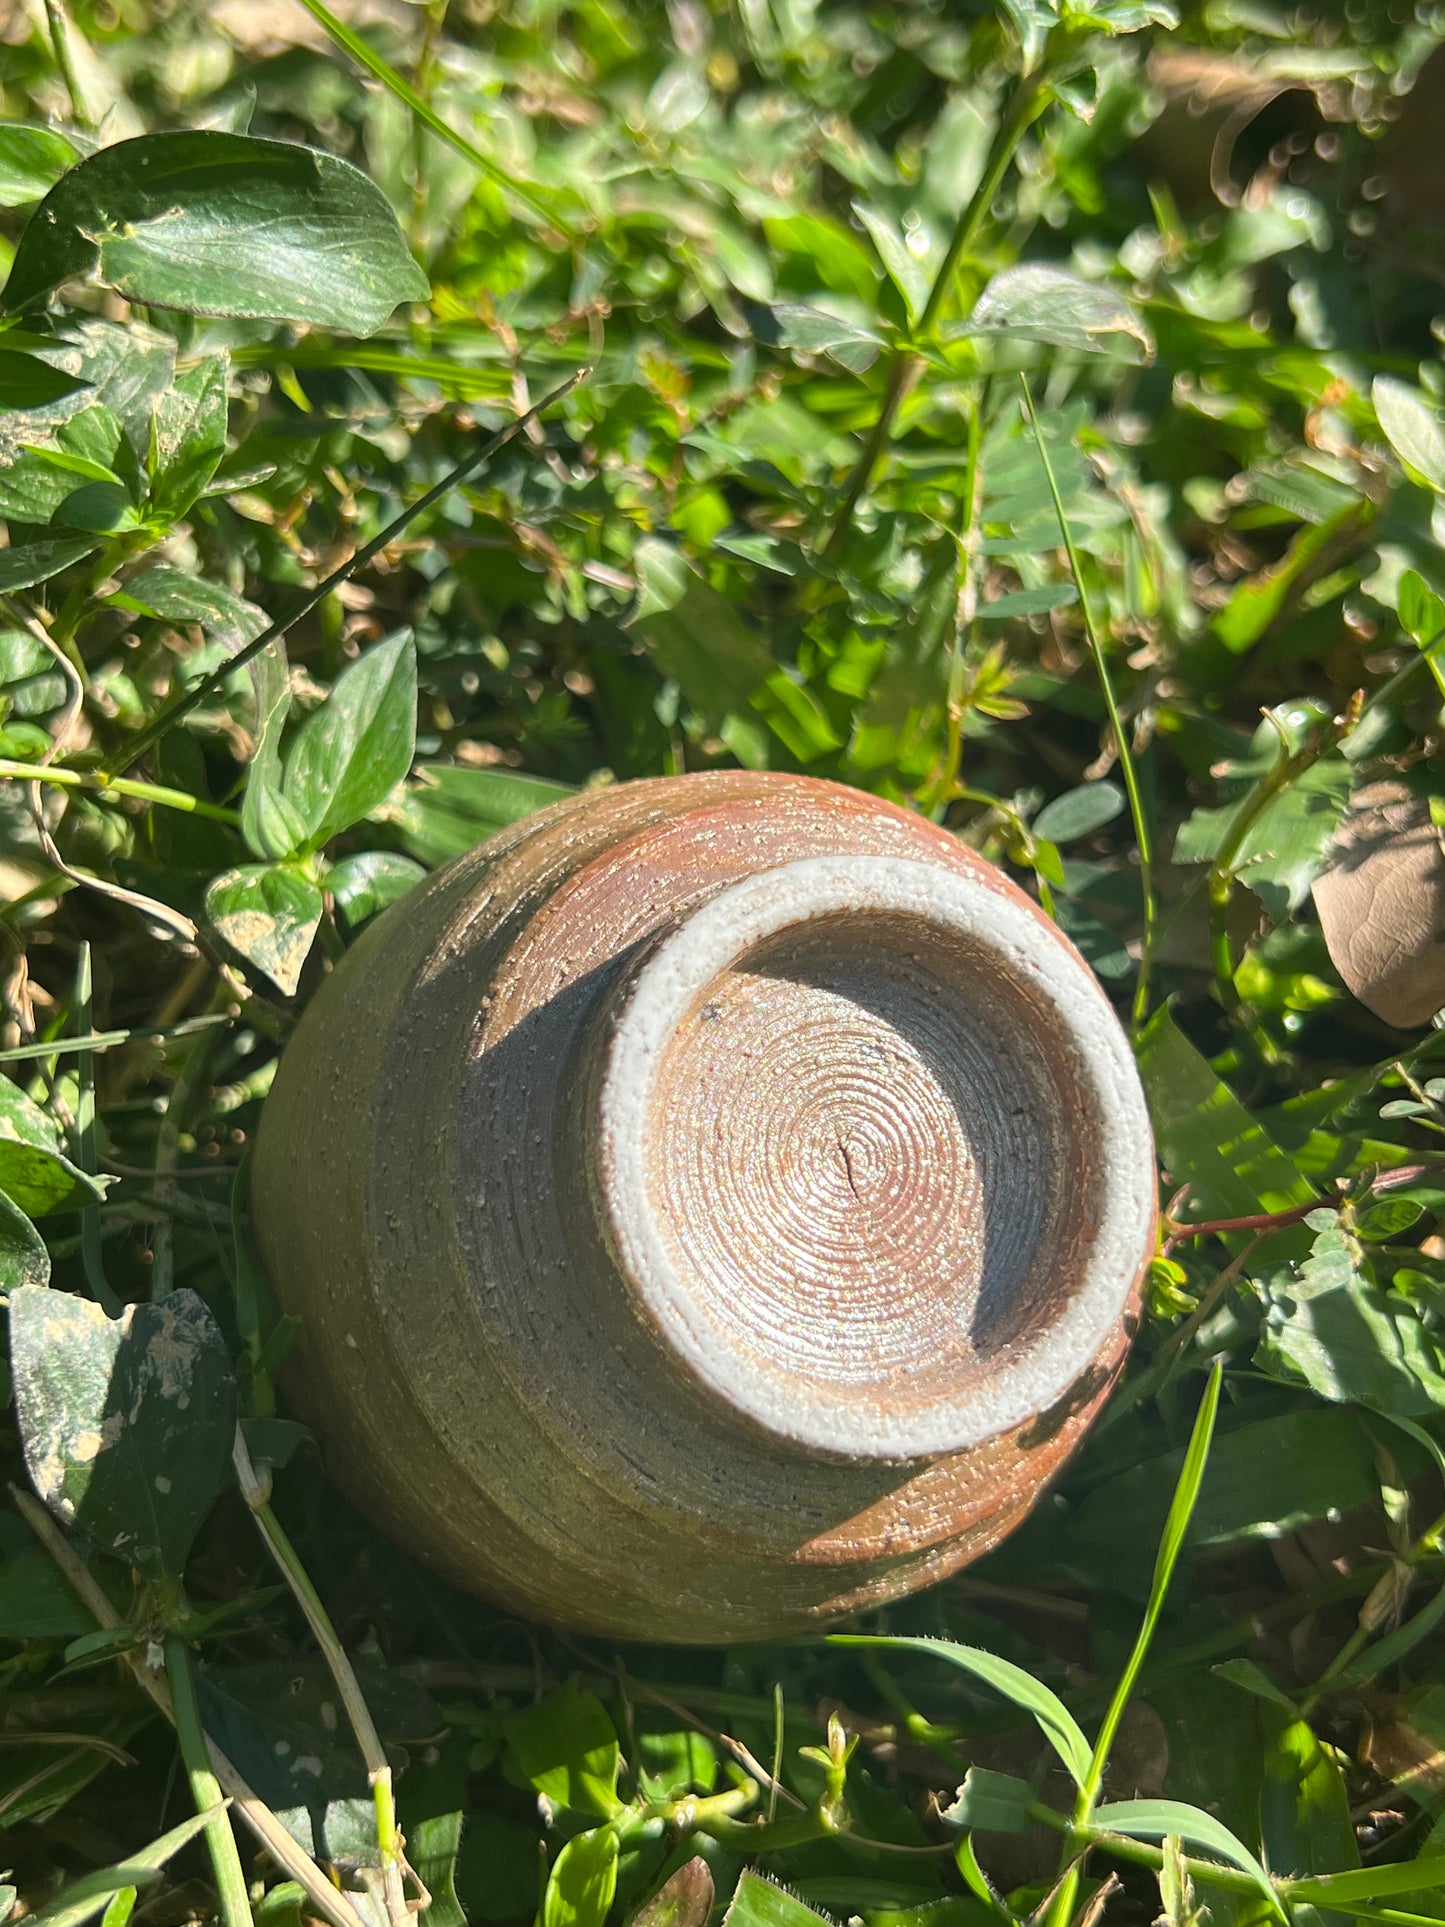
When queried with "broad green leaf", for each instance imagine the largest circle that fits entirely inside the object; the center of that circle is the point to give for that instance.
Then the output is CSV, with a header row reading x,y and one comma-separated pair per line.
x,y
222,224
566,1747
816,332
127,1423
1036,302
583,1883
1412,428
35,562
1287,846
685,1898
369,881
28,382
36,1601
352,752
177,597
1078,812
85,1898
1304,1809
1266,1479
188,437
757,1902
32,160
908,271
271,915
1345,1337
1209,1141
990,1802
103,508
35,1174
1156,1819
668,1765
1058,1724
23,1257
450,810
1421,611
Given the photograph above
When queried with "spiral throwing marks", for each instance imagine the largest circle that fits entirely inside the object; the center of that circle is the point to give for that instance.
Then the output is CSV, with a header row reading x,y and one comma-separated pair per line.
x,y
742,1187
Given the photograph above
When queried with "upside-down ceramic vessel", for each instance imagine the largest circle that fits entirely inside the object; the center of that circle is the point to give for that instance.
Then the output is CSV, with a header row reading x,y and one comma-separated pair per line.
x,y
711,1206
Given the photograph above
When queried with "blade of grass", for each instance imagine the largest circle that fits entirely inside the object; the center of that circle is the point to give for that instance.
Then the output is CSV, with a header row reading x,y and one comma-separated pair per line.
x,y
84,1899
366,56
235,1902
1143,835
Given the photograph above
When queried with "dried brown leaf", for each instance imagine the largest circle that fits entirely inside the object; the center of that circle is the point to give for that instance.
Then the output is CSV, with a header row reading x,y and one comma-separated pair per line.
x,y
1382,905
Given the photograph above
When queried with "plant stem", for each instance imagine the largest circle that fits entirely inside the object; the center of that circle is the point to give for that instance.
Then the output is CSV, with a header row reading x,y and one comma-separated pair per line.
x,y
256,1492
181,705
205,1789
100,784
328,1902
86,1152
908,364
1143,835
65,61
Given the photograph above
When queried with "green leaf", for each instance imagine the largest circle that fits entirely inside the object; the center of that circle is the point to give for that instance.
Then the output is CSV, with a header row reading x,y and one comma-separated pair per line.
x,y
583,1883
1028,602
271,915
352,752
1156,1819
23,1257
369,881
566,1747
1078,812
1036,302
815,332
35,1174
28,382
1349,1340
32,159
722,668
1059,1726
1411,427
188,437
84,1899
1372,1883
1304,1808
990,1802
127,1422
177,597
1254,1680
35,562
450,810
105,508
1288,845
757,1902
1209,1141
36,1602
1420,610
222,224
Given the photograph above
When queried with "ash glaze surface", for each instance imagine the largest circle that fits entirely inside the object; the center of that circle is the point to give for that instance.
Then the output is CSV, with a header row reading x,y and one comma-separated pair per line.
x,y
711,1205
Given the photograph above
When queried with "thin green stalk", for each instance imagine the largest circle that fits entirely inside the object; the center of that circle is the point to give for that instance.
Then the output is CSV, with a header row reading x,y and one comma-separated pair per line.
x,y
86,1149
1027,104
256,1492
382,70
1171,1543
182,704
65,61
100,784
205,1788
1143,835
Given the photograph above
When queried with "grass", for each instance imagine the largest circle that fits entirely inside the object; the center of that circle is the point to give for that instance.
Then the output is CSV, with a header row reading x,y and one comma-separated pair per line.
x,y
1029,414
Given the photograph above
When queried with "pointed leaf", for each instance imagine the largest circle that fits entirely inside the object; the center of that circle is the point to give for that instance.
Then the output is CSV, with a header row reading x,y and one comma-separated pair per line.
x,y
271,915
1156,1819
352,752
1059,1726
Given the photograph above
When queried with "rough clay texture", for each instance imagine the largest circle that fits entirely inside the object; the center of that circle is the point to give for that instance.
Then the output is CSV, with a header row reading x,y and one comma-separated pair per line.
x,y
876,1164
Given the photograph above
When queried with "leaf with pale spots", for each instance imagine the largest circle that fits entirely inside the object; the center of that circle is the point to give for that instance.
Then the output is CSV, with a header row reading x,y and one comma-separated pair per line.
x,y
127,1423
